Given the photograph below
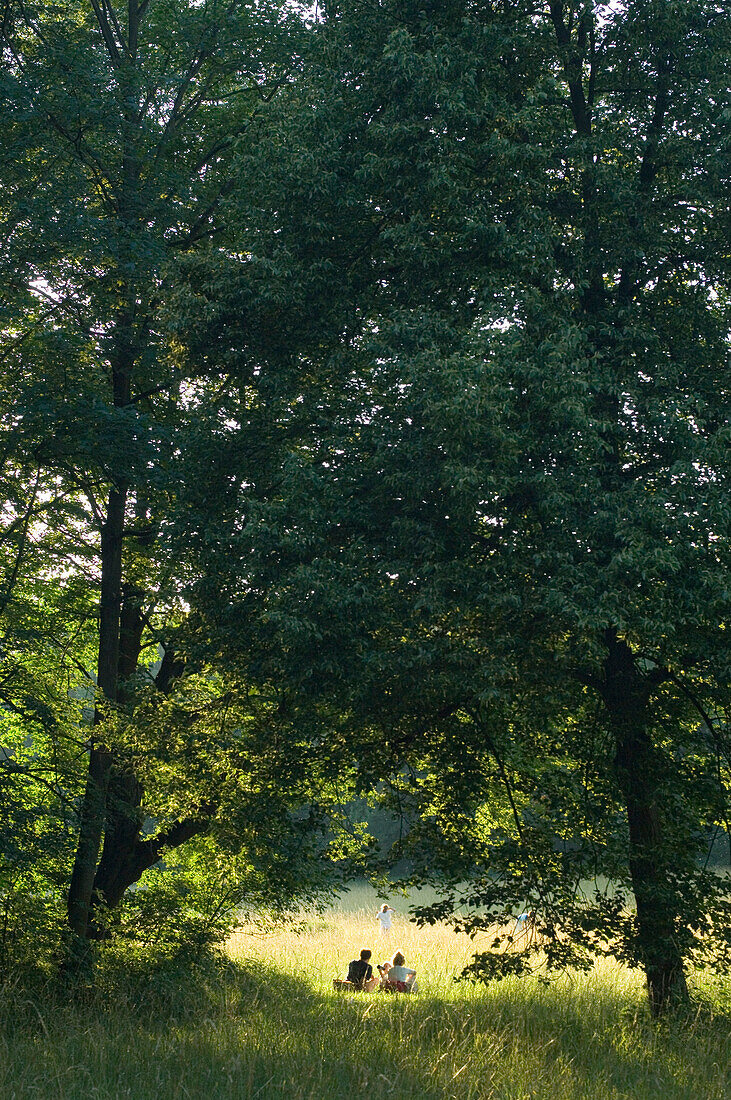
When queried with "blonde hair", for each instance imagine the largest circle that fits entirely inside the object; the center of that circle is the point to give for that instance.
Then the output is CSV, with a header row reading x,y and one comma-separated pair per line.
x,y
398,959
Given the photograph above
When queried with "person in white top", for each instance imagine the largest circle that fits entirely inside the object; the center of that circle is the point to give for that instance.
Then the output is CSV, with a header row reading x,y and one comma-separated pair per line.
x,y
384,917
398,976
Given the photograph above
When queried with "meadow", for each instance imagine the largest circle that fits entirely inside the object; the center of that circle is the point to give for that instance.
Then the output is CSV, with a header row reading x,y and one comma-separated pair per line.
x,y
264,1022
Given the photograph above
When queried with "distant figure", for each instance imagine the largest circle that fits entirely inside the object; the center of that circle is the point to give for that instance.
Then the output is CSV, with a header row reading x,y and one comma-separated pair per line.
x,y
360,972
396,977
524,924
384,917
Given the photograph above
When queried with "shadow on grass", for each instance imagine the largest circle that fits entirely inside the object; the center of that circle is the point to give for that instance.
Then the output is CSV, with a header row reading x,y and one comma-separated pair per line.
x,y
338,1043
232,1030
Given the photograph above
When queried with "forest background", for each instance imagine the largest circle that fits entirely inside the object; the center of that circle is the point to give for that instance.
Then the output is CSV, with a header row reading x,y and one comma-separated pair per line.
x,y
365,434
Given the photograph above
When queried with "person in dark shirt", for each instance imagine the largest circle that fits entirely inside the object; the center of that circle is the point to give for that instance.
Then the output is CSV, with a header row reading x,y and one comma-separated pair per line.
x,y
360,972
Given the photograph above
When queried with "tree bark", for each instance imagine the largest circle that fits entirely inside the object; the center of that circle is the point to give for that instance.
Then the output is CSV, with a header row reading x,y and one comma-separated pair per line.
x,y
135,856
125,855
123,820
626,692
93,809
94,804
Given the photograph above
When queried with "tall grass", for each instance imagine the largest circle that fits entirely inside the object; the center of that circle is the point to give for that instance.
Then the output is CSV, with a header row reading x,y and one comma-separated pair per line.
x,y
265,1022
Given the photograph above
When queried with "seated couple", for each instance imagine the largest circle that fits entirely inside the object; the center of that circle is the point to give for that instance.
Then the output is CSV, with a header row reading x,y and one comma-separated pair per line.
x,y
395,976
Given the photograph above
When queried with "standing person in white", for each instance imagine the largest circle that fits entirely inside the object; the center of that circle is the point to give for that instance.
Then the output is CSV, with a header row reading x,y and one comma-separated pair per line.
x,y
384,919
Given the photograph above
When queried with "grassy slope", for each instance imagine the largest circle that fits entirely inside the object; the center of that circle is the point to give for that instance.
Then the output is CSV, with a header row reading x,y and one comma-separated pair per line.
x,y
269,1025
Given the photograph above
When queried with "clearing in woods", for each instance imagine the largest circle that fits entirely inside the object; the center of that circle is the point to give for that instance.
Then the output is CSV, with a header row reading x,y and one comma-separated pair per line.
x,y
264,1022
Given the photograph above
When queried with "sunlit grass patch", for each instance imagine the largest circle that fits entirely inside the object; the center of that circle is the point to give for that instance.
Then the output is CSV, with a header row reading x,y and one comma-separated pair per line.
x,y
264,1022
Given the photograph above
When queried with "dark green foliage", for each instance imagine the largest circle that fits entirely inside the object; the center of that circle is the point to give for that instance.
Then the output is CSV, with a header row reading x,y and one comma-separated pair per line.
x,y
121,741
391,412
498,565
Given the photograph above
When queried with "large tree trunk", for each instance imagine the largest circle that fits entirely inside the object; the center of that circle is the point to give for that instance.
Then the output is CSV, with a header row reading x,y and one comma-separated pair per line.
x,y
93,809
123,820
626,693
125,855
94,804
131,856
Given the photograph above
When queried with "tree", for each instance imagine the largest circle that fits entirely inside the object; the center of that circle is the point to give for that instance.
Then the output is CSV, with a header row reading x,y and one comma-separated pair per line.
x,y
500,561
121,126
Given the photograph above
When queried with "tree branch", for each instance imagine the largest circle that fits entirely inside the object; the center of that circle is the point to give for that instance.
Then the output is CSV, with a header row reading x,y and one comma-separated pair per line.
x,y
103,24
572,62
10,585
